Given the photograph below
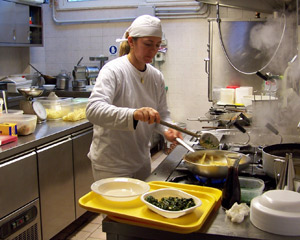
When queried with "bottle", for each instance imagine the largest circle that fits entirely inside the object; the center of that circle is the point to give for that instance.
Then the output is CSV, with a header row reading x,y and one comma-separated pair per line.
x,y
232,191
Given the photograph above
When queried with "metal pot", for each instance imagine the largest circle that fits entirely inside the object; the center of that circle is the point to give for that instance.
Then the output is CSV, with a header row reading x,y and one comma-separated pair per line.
x,y
278,151
216,167
62,80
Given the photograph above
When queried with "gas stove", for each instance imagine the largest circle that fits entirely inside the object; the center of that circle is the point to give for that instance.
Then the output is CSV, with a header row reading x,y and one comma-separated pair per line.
x,y
182,175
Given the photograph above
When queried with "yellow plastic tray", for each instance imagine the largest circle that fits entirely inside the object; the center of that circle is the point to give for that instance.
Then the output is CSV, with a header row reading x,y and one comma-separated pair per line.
x,y
135,212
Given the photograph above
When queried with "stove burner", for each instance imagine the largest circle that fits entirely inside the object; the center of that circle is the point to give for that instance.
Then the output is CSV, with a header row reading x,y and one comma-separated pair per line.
x,y
211,180
187,177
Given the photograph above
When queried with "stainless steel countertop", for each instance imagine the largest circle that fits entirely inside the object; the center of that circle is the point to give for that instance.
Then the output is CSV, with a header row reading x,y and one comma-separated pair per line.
x,y
45,132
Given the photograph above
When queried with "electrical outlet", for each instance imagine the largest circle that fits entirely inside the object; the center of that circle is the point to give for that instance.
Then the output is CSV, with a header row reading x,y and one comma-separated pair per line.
x,y
160,57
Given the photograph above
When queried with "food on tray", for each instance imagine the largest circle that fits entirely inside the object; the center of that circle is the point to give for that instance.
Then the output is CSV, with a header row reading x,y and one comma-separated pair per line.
x,y
171,203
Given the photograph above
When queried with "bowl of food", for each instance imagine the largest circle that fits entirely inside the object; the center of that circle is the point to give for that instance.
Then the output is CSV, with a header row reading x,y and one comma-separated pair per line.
x,y
120,189
171,202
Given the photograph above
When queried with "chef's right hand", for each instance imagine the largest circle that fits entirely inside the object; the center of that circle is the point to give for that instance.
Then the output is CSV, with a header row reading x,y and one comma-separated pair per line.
x,y
146,114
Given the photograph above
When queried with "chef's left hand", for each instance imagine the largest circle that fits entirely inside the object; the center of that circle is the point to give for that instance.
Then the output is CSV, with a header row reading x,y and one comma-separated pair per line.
x,y
172,134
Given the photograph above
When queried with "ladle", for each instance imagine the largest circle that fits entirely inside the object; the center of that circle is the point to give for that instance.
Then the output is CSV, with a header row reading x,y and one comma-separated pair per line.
x,y
206,140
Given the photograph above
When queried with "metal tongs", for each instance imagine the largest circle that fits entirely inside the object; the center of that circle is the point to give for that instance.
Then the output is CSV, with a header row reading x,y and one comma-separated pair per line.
x,y
285,178
206,140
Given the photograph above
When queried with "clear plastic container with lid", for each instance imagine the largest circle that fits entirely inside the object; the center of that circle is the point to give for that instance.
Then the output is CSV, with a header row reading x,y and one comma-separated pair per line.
x,y
56,108
26,123
76,109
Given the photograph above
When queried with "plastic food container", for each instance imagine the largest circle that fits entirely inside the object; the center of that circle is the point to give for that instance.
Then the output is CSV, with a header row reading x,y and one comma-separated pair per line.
x,y
170,192
55,108
250,188
26,123
76,110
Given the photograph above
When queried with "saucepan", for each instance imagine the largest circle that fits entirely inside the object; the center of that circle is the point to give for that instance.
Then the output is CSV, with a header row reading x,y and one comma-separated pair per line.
x,y
278,151
212,163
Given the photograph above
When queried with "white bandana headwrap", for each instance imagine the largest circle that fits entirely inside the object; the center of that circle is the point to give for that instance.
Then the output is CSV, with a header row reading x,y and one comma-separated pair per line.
x,y
143,26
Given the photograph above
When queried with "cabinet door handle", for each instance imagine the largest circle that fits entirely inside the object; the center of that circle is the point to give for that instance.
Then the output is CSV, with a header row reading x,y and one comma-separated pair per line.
x,y
14,35
29,35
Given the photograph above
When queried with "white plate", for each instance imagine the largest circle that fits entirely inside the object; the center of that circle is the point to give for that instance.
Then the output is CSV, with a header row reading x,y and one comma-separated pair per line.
x,y
120,189
170,192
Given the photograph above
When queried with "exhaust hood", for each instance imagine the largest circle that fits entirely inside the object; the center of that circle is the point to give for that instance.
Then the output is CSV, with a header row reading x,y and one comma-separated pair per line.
x,y
265,6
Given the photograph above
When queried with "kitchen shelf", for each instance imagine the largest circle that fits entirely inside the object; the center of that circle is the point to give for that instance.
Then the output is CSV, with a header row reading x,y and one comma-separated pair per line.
x,y
20,24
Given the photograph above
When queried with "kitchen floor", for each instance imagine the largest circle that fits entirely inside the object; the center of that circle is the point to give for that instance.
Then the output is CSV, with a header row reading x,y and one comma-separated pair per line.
x,y
89,225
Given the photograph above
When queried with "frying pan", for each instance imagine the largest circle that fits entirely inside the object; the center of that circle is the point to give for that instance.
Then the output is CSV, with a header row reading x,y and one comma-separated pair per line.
x,y
48,79
212,163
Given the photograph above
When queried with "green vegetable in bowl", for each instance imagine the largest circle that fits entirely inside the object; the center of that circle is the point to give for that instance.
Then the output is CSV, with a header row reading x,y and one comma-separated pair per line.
x,y
171,203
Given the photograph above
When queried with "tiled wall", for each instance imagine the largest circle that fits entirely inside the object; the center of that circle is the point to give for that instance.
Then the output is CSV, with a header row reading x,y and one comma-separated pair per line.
x,y
183,69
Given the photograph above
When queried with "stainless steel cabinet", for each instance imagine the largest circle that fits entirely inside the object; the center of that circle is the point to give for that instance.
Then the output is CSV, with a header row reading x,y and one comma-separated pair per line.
x,y
20,24
55,170
19,203
14,23
6,21
18,182
83,177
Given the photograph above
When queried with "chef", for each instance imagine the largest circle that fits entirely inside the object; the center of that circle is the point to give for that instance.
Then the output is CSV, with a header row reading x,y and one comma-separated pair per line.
x,y
126,105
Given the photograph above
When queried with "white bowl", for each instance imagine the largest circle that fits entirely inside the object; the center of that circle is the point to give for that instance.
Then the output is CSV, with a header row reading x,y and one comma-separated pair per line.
x,y
277,211
120,189
49,86
170,192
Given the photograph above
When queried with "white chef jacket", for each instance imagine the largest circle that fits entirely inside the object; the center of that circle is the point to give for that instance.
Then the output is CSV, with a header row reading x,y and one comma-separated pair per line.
x,y
120,89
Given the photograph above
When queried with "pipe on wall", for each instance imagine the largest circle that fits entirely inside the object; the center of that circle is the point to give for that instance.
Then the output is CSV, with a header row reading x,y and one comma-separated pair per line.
x,y
188,10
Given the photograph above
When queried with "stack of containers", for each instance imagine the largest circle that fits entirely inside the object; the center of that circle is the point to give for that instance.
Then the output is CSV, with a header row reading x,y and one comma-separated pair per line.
x,y
241,92
233,95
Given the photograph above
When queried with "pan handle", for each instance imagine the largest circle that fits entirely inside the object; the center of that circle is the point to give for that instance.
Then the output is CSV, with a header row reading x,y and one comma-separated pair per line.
x,y
179,129
35,69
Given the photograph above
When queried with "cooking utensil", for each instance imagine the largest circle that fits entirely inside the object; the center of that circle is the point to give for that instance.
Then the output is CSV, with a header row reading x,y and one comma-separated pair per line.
x,y
48,79
270,153
273,130
206,140
4,99
212,163
184,144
